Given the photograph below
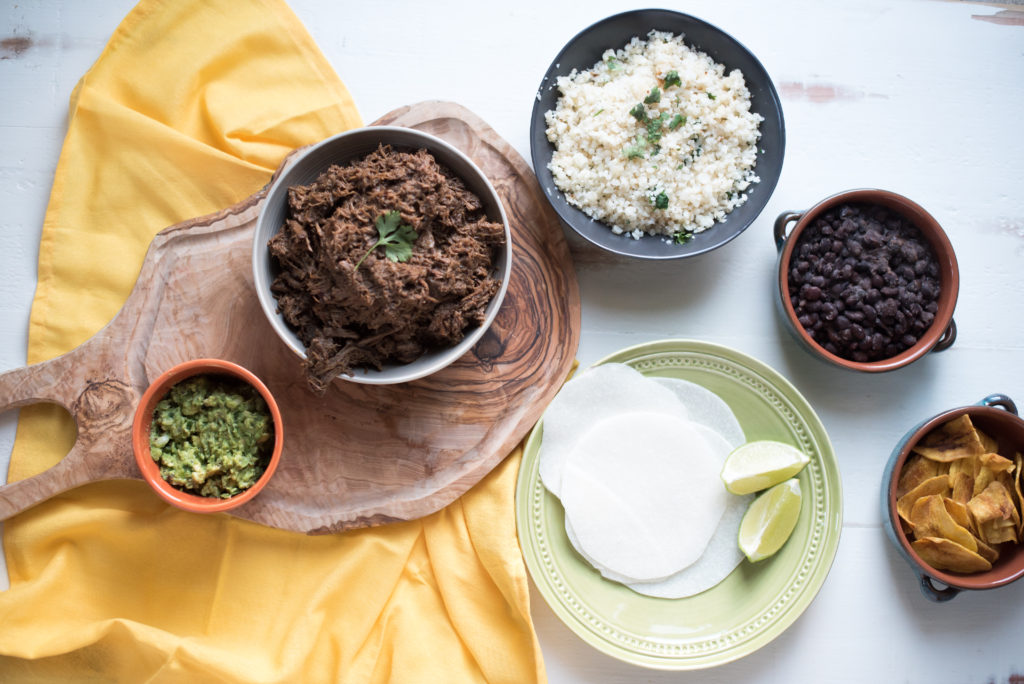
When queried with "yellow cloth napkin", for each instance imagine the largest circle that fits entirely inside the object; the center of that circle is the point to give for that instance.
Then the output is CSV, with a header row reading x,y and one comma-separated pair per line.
x,y
189,109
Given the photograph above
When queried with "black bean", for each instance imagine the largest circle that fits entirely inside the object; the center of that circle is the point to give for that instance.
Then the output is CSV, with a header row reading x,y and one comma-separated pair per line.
x,y
865,282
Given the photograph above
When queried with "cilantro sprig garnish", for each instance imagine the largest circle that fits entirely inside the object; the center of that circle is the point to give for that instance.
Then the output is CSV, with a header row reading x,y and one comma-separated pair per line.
x,y
396,237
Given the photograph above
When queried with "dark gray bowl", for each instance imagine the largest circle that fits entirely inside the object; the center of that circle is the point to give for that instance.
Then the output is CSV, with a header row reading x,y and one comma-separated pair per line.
x,y
585,50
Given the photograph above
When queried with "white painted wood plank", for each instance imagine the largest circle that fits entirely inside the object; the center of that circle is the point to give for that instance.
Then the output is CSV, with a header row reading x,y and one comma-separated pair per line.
x,y
922,98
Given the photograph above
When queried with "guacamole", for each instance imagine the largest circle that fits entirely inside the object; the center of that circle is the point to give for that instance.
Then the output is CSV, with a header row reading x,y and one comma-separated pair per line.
x,y
212,435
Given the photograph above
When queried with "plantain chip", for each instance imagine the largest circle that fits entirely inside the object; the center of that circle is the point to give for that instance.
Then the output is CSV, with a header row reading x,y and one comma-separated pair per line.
x,y
989,553
995,514
987,443
961,486
930,518
1018,488
933,485
959,499
943,554
993,467
916,470
961,516
950,441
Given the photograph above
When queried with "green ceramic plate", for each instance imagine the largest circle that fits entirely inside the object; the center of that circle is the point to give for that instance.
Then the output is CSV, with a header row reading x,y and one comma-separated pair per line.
x,y
757,602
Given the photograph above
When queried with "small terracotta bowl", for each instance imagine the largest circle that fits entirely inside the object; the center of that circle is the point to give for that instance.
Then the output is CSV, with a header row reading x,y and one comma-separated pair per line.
x,y
996,415
144,416
939,336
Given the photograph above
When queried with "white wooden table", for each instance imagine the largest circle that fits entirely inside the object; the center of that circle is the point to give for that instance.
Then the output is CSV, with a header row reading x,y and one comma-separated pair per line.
x,y
924,98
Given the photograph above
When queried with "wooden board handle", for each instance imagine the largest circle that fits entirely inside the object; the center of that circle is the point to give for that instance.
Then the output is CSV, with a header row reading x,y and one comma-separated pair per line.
x,y
102,410
42,382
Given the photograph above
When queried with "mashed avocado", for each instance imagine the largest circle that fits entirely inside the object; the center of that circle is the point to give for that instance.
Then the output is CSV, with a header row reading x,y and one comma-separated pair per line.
x,y
211,435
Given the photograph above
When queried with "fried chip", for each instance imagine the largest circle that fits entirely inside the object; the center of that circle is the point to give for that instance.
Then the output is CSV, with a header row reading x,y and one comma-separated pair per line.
x,y
989,553
989,467
987,443
959,499
995,514
943,554
930,518
933,485
961,487
1018,488
950,441
916,470
961,516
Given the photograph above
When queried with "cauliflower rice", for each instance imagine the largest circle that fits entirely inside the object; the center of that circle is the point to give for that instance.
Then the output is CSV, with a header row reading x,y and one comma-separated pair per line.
x,y
654,138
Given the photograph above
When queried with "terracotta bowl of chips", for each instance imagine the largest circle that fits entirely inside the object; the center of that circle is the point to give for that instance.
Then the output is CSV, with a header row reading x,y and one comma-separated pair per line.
x,y
906,481
144,417
940,333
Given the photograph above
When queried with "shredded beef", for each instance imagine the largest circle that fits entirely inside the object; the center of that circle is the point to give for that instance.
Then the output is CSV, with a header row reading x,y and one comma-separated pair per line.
x,y
383,311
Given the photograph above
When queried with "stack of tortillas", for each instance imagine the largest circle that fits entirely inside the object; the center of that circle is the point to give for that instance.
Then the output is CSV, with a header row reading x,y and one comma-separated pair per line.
x,y
636,463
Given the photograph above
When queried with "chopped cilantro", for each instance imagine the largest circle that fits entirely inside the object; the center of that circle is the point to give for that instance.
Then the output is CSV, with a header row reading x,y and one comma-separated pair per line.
x,y
677,121
672,79
660,200
653,96
654,127
612,63
598,112
638,147
711,96
681,237
639,113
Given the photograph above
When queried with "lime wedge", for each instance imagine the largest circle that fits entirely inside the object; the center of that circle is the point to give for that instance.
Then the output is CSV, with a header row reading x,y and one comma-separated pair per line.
x,y
760,465
770,520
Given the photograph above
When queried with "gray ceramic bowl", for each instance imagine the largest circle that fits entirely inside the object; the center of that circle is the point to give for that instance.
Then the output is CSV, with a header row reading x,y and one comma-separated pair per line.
x,y
585,50
347,147
997,416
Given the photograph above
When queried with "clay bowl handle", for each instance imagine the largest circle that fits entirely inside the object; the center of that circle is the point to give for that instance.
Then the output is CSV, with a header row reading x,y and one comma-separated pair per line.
x,y
933,593
947,339
1000,401
781,223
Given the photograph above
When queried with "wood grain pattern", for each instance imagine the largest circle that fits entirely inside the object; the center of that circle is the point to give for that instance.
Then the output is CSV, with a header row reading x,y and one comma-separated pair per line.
x,y
362,455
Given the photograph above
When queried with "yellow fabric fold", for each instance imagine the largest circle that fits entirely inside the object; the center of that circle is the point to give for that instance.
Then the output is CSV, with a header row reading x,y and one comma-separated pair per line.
x,y
188,110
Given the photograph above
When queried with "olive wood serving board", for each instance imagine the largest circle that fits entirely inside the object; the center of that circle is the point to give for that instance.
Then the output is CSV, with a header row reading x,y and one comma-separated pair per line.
x,y
361,455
